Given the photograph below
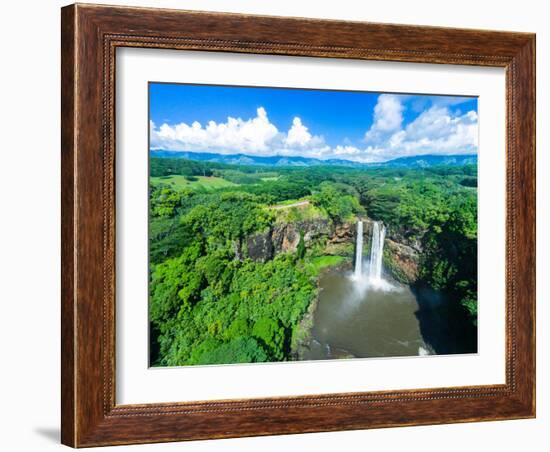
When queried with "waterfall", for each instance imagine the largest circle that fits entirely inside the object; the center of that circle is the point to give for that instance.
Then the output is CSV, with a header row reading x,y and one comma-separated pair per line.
x,y
372,277
376,252
359,252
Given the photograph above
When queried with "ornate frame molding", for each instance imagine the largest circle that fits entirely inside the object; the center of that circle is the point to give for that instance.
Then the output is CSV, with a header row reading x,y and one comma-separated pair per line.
x,y
90,37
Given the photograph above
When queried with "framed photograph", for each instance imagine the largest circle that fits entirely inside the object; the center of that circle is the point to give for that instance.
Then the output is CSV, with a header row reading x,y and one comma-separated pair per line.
x,y
282,225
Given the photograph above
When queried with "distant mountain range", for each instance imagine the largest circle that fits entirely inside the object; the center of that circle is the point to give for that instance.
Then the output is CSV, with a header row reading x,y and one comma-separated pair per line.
x,y
425,161
417,161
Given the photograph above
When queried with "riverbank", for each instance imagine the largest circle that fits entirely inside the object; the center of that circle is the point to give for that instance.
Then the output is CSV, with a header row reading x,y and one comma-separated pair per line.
x,y
302,335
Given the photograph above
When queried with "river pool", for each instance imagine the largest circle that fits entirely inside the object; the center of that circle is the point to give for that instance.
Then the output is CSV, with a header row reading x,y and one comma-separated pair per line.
x,y
354,320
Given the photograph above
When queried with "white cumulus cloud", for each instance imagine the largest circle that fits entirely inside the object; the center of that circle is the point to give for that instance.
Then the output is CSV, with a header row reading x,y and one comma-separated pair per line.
x,y
298,134
388,116
435,130
256,136
251,135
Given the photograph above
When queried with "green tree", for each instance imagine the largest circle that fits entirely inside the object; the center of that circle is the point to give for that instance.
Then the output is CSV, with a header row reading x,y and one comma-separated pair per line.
x,y
239,350
450,255
271,333
339,206
163,201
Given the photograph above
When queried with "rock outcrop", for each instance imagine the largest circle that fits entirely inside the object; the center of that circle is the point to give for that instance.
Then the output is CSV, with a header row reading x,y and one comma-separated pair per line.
x,y
343,233
260,247
405,238
284,238
402,261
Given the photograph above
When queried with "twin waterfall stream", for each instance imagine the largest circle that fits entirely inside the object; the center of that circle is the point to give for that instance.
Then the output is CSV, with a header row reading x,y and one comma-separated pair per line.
x,y
376,254
365,313
359,251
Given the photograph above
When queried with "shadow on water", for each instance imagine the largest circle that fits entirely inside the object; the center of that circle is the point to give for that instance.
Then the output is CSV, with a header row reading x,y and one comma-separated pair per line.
x,y
444,325
392,320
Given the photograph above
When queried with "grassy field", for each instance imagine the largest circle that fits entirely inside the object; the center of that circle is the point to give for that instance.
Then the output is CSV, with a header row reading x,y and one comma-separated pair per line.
x,y
316,264
297,211
270,178
208,183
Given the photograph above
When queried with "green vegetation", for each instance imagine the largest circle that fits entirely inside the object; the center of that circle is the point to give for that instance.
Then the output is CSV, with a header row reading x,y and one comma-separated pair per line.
x,y
195,182
450,254
339,205
316,264
211,303
295,212
202,304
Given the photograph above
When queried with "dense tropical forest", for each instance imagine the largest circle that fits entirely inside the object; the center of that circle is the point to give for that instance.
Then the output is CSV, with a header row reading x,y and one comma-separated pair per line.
x,y
221,292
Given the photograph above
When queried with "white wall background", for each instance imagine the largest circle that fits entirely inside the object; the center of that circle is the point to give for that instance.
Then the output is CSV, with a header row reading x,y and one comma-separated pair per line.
x,y
29,224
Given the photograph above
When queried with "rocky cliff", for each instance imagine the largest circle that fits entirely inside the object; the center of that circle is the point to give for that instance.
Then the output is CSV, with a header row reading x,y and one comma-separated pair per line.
x,y
401,256
284,237
401,261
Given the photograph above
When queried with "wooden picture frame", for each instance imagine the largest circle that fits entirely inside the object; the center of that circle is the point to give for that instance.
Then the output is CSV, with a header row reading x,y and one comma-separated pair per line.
x,y
90,36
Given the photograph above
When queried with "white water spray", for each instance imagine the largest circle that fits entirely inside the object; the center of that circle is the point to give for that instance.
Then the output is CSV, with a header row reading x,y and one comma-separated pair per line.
x,y
358,274
376,253
371,277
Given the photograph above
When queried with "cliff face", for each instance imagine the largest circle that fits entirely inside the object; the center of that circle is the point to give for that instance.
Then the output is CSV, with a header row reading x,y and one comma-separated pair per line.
x,y
404,238
284,237
260,247
401,256
401,261
343,233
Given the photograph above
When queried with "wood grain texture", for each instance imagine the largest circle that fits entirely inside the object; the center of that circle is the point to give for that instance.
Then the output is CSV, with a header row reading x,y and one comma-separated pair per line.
x,y
67,226
90,36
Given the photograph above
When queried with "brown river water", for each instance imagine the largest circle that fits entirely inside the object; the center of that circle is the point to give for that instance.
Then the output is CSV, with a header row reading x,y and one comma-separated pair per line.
x,y
362,322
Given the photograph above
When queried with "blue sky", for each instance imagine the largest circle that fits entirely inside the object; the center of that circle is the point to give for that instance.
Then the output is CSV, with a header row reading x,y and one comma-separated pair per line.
x,y
324,124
